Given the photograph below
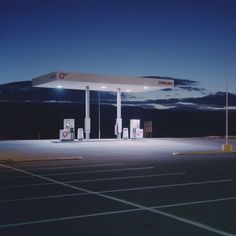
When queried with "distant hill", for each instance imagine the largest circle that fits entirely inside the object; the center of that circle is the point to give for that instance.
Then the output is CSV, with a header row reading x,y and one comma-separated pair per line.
x,y
24,92
21,120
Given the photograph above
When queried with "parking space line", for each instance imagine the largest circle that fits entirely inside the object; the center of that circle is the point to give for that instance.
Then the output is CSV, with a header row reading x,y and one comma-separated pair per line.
x,y
103,171
127,177
194,223
55,163
86,172
168,185
42,163
129,203
76,166
95,180
68,218
43,197
114,212
195,202
120,190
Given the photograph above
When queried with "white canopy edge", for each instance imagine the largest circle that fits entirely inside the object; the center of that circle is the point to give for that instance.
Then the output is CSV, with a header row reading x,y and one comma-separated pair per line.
x,y
69,80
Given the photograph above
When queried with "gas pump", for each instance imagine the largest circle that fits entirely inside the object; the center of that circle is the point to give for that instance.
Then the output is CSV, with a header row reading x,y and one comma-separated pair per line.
x,y
68,131
135,131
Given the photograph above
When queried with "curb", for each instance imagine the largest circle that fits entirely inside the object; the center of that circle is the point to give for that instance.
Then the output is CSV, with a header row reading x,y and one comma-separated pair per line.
x,y
201,153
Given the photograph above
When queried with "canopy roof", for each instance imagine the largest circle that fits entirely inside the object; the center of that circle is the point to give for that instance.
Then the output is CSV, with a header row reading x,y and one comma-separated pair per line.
x,y
68,80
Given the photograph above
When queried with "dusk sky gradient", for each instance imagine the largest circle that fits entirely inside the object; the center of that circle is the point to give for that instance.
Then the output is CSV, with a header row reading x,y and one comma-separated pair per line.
x,y
189,40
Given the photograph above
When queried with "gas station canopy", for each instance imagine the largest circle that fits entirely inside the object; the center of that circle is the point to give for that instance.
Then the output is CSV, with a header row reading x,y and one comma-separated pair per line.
x,y
68,80
87,82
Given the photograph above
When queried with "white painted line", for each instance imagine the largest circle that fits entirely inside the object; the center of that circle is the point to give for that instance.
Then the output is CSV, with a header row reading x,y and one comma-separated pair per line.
x,y
168,186
196,202
129,203
25,185
85,172
43,197
121,190
103,171
126,177
45,163
75,166
194,223
16,177
95,180
114,212
67,218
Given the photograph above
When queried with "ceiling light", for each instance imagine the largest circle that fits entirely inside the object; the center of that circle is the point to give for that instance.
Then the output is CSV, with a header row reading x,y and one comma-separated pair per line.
x,y
128,90
103,87
59,86
146,87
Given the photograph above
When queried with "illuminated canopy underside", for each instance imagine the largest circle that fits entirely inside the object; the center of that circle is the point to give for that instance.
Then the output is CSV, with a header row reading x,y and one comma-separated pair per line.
x,y
68,80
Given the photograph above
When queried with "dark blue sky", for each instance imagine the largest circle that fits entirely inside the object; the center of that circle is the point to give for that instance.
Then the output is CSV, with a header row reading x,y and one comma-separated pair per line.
x,y
182,39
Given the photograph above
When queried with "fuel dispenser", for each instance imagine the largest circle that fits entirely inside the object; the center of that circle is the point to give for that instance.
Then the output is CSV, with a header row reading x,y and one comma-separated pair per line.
x,y
68,131
135,131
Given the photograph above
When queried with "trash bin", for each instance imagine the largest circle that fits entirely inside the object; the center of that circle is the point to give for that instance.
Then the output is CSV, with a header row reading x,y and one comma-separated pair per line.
x,y
80,134
125,133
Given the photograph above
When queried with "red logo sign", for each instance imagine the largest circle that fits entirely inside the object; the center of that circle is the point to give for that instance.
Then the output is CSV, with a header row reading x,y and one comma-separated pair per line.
x,y
62,75
65,133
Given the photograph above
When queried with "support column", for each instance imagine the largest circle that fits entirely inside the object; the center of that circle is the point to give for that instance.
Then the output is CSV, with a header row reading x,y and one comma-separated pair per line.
x,y
227,147
87,120
118,116
99,116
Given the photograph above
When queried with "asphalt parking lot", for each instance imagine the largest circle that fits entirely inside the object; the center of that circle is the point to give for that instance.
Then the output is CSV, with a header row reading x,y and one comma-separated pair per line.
x,y
179,196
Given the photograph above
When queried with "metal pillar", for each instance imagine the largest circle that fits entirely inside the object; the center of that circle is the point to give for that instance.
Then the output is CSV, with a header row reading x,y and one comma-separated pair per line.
x,y
87,120
227,147
226,104
118,116
99,116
